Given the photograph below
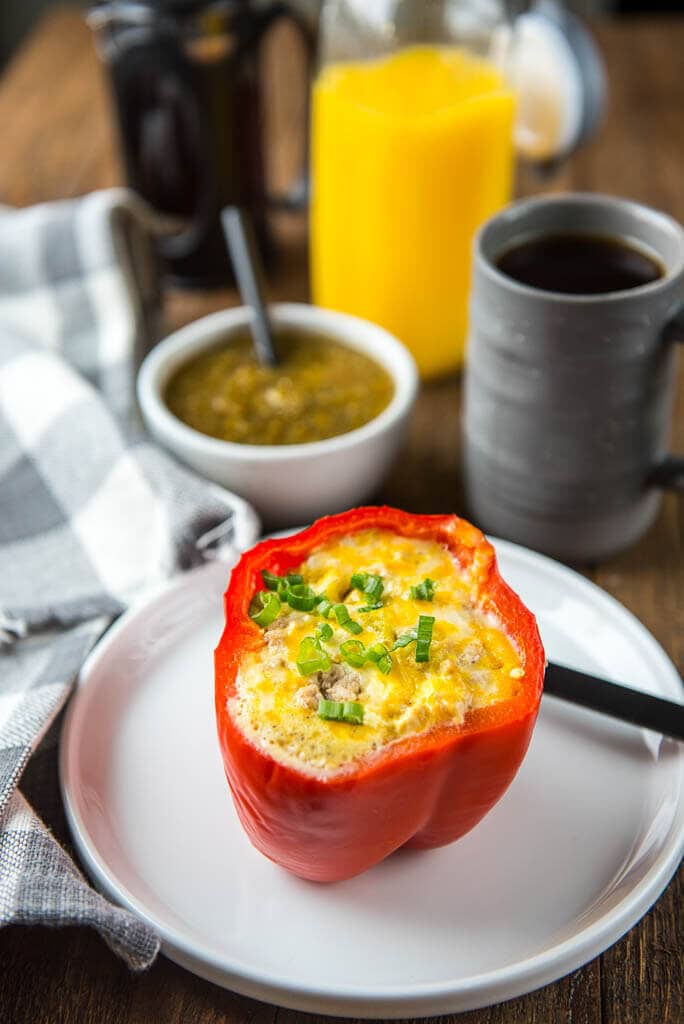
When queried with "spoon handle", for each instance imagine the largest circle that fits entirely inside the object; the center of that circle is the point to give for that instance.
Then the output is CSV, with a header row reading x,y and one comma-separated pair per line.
x,y
244,254
664,716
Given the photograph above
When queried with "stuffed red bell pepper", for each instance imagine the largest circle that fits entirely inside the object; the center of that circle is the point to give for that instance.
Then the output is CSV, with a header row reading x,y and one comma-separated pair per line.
x,y
377,684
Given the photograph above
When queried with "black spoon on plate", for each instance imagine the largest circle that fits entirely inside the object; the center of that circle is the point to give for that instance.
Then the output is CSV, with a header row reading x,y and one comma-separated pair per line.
x,y
634,706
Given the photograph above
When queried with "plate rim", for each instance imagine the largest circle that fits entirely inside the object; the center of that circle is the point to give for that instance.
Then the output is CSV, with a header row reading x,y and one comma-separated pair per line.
x,y
424,998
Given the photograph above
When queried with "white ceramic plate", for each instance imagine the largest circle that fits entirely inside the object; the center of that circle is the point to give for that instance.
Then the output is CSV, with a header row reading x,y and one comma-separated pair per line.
x,y
584,841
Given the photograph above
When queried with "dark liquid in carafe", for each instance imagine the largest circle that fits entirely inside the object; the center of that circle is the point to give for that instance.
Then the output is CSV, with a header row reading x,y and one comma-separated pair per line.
x,y
579,264
190,128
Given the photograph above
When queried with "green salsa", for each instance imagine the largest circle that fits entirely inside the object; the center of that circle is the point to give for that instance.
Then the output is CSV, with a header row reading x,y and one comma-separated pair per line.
x,y
321,389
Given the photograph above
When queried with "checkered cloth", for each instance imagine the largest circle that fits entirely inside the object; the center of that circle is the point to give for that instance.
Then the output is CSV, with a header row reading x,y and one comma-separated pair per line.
x,y
91,515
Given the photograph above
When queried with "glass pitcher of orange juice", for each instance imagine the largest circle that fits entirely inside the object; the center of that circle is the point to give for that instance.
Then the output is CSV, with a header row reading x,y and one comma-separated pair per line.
x,y
416,118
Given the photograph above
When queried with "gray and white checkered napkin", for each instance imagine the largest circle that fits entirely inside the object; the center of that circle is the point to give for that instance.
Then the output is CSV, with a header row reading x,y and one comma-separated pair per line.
x,y
91,515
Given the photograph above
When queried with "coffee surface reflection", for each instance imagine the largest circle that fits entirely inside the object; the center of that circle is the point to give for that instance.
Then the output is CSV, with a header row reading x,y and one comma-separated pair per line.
x,y
579,264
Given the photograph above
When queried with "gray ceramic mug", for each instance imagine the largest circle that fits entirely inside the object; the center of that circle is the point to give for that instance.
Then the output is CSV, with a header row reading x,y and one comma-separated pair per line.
x,y
568,398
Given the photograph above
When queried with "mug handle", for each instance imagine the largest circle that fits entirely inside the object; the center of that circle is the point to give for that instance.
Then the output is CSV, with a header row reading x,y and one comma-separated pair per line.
x,y
669,475
297,196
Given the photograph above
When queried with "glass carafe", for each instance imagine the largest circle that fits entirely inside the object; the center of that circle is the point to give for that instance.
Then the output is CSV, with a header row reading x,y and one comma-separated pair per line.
x,y
187,88
417,114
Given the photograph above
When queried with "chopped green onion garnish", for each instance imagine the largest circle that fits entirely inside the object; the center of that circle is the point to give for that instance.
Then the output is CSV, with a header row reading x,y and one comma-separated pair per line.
x,y
371,607
330,709
368,584
281,584
425,591
265,607
338,711
345,620
376,652
323,606
271,581
404,640
424,637
311,657
352,712
385,664
300,596
353,653
324,631
381,656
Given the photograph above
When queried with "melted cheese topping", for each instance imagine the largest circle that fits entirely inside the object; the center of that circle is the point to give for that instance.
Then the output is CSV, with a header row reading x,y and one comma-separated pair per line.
x,y
472,662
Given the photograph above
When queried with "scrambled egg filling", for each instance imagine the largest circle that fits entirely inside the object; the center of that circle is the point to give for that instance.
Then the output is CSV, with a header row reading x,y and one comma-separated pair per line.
x,y
471,662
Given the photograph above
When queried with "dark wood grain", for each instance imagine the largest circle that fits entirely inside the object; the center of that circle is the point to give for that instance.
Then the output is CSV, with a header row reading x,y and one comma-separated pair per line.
x,y
58,141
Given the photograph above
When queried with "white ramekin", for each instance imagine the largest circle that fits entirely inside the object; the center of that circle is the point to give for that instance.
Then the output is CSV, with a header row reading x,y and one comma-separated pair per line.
x,y
287,484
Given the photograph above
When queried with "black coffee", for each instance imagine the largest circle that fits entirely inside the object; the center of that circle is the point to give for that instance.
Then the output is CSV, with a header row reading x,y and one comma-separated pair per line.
x,y
579,264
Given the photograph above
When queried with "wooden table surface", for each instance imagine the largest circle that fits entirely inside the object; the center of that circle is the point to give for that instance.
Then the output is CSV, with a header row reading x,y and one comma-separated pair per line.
x,y
58,141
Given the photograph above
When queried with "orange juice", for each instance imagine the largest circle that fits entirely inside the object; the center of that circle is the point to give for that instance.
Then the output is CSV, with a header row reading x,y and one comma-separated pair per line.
x,y
410,154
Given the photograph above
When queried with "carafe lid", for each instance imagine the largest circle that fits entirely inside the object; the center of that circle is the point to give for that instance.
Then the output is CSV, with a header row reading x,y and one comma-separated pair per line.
x,y
560,80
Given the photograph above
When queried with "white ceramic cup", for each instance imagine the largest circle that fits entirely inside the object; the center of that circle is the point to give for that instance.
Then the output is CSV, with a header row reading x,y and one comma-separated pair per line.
x,y
295,483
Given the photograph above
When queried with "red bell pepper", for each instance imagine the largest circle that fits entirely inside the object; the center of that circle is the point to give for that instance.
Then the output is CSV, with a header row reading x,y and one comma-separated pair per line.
x,y
422,791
